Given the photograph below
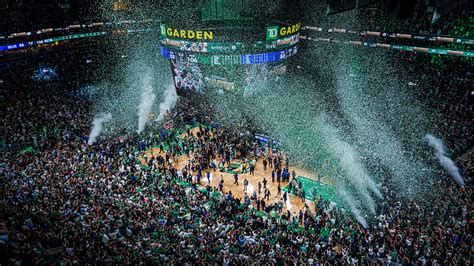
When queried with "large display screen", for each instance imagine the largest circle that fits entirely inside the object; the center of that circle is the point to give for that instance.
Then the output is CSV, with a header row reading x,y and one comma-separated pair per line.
x,y
187,77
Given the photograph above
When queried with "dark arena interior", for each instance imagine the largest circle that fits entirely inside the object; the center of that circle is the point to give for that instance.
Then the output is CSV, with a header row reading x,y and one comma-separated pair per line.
x,y
236,132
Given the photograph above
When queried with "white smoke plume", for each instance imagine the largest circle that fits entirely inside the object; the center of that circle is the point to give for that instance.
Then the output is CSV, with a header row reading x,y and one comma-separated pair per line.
x,y
98,125
169,101
351,165
146,102
444,160
353,206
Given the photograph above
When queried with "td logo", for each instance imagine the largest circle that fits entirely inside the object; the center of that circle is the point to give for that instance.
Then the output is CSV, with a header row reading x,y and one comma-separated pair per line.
x,y
272,33
162,30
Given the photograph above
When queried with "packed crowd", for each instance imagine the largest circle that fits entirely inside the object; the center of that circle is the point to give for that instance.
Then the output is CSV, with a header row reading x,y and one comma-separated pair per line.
x,y
449,98
34,117
458,24
454,23
26,114
98,204
74,203
22,16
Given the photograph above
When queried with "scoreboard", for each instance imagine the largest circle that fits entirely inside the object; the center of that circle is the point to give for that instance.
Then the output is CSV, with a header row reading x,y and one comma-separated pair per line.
x,y
229,59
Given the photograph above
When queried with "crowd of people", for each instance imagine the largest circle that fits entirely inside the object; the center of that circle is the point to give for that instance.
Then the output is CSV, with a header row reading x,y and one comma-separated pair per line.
x,y
98,204
69,202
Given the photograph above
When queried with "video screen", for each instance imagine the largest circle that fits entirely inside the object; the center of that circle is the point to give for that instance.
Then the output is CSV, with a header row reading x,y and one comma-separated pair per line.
x,y
187,77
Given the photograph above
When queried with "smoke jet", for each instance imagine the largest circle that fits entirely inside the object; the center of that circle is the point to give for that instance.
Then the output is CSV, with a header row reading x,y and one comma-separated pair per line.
x,y
98,125
169,101
444,160
146,102
353,206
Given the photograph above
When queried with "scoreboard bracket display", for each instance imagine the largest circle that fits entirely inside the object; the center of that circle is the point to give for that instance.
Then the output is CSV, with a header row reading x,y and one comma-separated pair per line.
x,y
229,59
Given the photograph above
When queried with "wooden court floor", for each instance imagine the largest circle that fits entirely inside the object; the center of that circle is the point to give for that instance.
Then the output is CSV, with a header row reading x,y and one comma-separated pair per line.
x,y
293,203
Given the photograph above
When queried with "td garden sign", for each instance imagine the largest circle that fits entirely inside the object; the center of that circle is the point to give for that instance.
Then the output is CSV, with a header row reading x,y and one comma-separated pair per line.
x,y
272,33
185,34
276,32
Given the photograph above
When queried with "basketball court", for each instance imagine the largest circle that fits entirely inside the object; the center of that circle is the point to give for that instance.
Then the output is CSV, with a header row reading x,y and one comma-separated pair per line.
x,y
308,179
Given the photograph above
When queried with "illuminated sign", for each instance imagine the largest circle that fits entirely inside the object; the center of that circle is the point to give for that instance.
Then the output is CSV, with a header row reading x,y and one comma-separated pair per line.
x,y
220,47
275,32
185,34
50,40
221,59
272,33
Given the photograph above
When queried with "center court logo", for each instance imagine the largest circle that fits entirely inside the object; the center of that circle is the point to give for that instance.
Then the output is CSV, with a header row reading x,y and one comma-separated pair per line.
x,y
272,33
